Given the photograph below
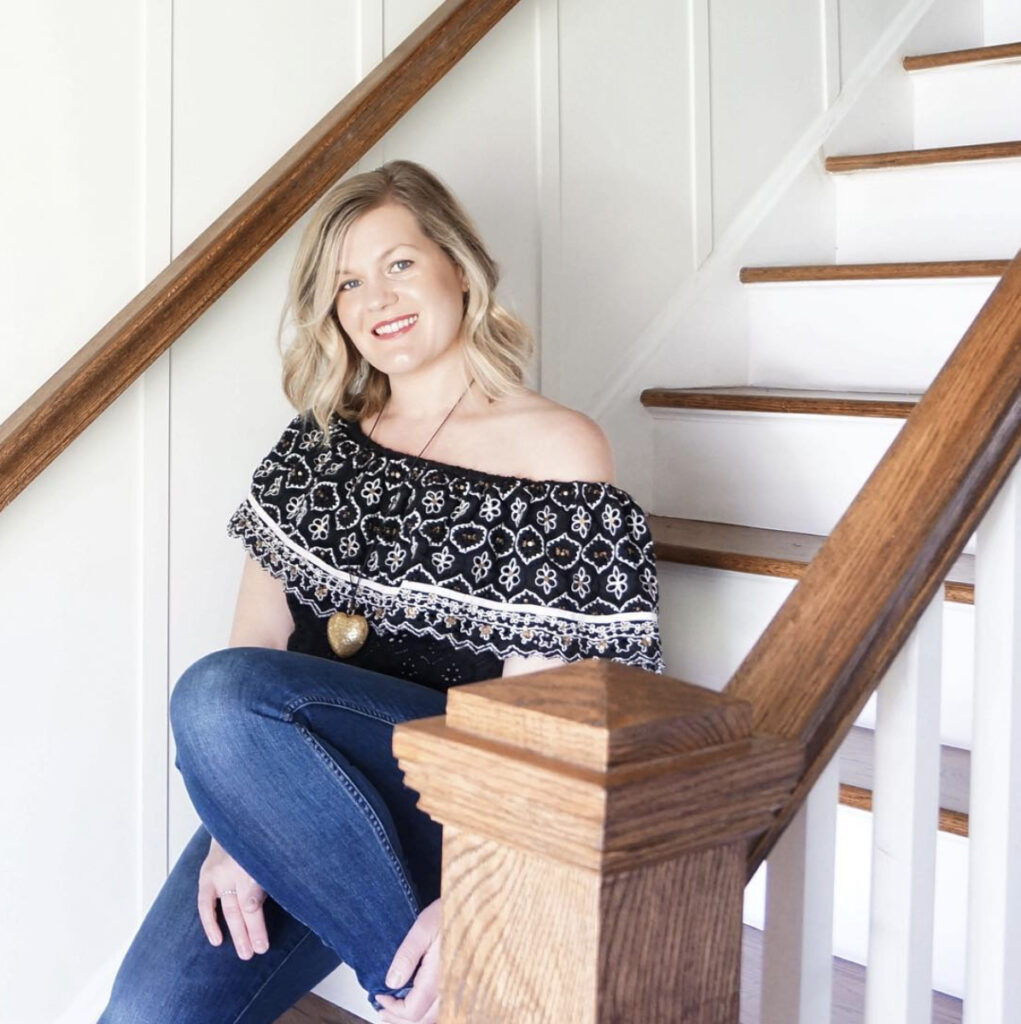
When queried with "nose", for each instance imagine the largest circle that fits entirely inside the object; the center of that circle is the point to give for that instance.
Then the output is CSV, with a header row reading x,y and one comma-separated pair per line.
x,y
382,295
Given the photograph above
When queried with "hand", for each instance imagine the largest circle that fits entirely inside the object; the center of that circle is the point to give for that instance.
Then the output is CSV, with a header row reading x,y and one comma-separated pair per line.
x,y
243,911
422,1004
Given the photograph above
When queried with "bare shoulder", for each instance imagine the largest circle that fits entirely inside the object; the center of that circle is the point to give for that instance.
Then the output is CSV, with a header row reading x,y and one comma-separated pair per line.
x,y
554,442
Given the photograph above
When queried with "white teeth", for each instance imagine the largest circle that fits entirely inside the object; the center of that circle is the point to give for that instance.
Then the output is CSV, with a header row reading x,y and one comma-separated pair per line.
x,y
396,326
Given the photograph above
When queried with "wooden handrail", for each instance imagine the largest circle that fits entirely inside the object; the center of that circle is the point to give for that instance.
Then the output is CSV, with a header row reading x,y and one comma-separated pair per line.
x,y
826,650
44,425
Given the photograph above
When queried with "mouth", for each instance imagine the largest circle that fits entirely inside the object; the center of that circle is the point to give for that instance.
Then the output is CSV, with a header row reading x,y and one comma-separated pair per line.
x,y
399,325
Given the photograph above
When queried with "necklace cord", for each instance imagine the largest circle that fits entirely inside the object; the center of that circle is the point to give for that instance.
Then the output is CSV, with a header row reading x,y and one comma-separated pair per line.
x,y
351,602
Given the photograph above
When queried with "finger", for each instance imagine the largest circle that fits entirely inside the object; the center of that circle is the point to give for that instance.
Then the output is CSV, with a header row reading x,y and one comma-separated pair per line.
x,y
236,925
393,1010
390,1015
418,1000
207,913
255,921
413,1007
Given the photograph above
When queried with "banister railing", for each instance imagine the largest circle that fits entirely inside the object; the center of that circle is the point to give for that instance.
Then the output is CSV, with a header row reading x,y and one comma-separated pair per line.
x,y
47,422
818,661
591,813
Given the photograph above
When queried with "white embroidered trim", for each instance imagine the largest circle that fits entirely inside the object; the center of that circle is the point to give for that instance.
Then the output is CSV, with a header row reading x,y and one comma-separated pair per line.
x,y
423,609
412,586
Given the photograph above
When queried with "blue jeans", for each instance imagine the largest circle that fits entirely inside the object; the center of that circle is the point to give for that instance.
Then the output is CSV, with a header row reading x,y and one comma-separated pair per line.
x,y
287,759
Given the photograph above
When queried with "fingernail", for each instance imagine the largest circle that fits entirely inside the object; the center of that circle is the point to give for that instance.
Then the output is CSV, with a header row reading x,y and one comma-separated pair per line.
x,y
260,947
393,979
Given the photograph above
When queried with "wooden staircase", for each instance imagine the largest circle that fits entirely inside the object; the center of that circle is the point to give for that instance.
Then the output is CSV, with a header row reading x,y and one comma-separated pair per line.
x,y
768,737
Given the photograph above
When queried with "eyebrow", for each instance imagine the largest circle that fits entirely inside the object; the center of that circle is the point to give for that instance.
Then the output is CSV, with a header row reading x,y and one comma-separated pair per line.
x,y
383,255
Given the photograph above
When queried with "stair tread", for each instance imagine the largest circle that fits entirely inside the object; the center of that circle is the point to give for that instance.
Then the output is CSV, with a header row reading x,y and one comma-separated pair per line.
x,y
750,398
753,549
934,155
313,1009
874,271
974,55
856,759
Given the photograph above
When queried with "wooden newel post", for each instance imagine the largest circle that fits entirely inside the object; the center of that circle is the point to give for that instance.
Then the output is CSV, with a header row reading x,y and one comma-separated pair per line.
x,y
596,820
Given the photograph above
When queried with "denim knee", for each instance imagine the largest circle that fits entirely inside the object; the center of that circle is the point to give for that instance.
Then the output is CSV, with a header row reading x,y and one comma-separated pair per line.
x,y
209,697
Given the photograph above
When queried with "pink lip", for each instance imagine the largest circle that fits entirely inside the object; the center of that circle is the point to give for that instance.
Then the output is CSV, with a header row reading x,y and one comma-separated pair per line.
x,y
383,323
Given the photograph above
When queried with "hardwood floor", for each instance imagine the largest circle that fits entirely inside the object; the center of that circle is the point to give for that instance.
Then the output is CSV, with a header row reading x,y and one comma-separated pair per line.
x,y
848,988
311,1009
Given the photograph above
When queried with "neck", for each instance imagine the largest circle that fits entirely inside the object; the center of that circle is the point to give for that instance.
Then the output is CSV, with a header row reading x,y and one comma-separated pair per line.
x,y
428,393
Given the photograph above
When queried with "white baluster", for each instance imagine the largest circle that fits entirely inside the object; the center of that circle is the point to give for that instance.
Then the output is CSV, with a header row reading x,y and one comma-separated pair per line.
x,y
993,982
905,823
797,955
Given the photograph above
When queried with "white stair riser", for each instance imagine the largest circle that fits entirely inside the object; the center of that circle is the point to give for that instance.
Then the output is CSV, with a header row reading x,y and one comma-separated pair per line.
x,y
781,471
854,882
967,104
886,335
711,618
957,211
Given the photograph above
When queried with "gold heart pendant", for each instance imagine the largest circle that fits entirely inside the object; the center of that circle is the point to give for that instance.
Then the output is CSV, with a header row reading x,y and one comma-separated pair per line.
x,y
346,633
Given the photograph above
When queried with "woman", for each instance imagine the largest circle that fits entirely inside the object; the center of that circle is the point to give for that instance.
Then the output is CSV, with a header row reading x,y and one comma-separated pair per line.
x,y
376,578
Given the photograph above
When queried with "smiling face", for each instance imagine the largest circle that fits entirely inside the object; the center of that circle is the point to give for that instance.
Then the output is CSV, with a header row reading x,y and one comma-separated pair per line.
x,y
394,276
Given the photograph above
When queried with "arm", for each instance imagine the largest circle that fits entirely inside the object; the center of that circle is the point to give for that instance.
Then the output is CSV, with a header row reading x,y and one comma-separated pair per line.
x,y
261,616
261,619
582,452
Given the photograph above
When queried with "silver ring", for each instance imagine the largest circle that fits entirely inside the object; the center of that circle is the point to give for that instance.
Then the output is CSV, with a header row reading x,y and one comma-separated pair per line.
x,y
229,892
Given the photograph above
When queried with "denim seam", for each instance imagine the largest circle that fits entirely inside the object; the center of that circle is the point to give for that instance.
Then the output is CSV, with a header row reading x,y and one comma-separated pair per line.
x,y
355,793
304,699
272,975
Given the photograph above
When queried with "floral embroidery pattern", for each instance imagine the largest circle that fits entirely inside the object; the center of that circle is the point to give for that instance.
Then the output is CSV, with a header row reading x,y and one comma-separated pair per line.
x,y
486,563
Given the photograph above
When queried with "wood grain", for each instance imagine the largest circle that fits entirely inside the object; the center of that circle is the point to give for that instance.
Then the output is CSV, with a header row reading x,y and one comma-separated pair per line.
x,y
883,404
752,549
1002,51
597,877
313,1009
44,425
820,658
529,940
916,157
873,271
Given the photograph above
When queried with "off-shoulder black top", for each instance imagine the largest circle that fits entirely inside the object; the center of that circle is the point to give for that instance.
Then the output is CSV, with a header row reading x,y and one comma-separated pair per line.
x,y
456,569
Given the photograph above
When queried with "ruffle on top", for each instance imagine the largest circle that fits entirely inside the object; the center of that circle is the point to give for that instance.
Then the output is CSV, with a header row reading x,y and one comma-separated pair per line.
x,y
497,564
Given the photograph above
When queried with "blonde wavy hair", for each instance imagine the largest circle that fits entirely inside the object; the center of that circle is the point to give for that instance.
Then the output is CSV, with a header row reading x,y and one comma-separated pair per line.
x,y
323,373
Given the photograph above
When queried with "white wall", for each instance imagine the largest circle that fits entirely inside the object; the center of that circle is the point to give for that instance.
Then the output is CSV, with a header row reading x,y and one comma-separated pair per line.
x,y
72,255
629,143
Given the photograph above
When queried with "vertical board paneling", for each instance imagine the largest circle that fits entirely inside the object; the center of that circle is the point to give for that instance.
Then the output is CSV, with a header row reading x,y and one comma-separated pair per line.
x,y
248,82
154,762
626,215
766,89
70,86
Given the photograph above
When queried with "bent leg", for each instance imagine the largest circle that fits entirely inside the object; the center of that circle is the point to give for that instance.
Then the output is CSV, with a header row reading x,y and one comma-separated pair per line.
x,y
171,974
287,758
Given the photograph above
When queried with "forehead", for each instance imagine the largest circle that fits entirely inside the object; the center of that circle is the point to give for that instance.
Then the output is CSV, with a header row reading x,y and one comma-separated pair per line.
x,y
377,231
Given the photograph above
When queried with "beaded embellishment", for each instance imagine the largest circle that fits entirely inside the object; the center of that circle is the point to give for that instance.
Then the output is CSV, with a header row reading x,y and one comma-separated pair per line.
x,y
490,563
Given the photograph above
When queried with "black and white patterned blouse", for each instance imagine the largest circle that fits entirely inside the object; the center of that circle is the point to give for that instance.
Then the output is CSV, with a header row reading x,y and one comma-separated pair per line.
x,y
456,569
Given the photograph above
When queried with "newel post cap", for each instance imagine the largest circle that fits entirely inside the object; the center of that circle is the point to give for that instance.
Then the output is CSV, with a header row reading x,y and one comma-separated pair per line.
x,y
597,764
